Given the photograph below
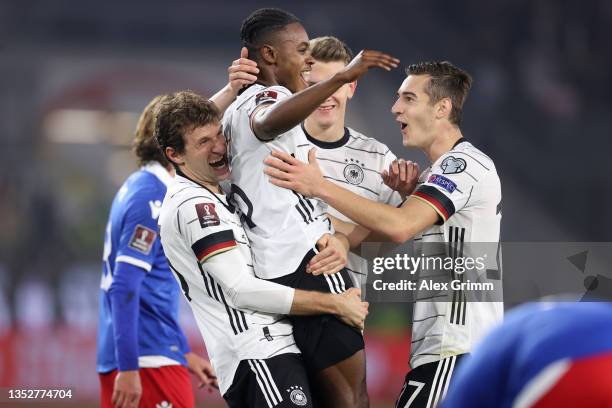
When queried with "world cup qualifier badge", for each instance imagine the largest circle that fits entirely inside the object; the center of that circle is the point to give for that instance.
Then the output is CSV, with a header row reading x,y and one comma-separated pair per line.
x,y
297,395
353,172
207,215
265,96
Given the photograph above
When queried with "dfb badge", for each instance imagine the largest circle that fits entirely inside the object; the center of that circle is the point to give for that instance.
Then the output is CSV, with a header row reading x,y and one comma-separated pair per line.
x,y
142,239
297,395
353,172
207,215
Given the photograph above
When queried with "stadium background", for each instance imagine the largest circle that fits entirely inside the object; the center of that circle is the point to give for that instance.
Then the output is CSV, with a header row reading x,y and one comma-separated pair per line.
x,y
75,75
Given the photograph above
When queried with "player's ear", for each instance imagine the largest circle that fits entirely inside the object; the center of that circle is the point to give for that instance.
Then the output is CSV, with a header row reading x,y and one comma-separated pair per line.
x,y
443,108
174,156
352,87
268,54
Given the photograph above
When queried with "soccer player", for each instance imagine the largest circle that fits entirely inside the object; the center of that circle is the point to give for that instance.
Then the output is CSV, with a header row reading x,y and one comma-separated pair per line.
x,y
544,355
249,342
346,156
457,201
142,352
283,226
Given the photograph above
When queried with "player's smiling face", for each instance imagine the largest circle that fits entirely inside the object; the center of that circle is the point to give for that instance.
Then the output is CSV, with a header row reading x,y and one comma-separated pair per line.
x,y
205,154
333,109
293,61
414,113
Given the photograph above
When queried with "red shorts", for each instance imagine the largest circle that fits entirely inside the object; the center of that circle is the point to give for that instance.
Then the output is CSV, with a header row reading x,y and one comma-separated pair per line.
x,y
170,384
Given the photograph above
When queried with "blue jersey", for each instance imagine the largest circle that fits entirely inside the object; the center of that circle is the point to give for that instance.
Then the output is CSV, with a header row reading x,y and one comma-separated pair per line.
x,y
132,237
536,359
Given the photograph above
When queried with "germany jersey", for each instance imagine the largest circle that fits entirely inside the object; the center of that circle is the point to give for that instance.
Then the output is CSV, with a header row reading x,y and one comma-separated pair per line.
x,y
195,225
281,224
463,187
354,162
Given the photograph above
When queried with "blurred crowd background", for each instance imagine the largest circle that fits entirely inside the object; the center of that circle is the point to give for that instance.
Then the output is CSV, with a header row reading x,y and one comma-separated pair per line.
x,y
74,76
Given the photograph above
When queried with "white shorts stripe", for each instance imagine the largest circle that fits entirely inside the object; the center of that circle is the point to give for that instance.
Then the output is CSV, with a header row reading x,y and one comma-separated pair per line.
x,y
334,279
342,285
331,285
443,381
433,384
450,376
263,389
271,380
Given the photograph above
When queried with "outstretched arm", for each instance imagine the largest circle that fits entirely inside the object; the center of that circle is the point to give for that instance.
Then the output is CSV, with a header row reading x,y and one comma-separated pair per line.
x,y
243,71
272,120
398,224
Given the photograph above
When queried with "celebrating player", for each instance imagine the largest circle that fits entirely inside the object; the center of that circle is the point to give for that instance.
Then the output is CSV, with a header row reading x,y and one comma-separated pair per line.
x,y
142,350
346,156
282,226
457,201
250,345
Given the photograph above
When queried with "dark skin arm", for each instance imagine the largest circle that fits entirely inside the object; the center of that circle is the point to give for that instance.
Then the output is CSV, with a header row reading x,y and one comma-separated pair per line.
x,y
269,121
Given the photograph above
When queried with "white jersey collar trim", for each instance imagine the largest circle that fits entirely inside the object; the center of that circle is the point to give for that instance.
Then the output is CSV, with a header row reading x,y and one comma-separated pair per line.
x,y
159,171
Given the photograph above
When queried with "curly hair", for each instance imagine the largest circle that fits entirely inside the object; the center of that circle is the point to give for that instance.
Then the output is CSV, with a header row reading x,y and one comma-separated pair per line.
x,y
447,81
262,22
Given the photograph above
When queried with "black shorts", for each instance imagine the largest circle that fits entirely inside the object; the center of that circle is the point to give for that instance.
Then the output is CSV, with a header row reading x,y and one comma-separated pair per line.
x,y
426,385
323,339
279,381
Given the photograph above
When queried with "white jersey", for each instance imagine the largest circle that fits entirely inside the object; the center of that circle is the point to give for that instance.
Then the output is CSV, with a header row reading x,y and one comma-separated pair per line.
x,y
463,187
281,224
355,162
195,225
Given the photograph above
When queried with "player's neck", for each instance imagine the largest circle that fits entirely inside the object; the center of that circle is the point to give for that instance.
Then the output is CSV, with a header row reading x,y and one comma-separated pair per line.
x,y
328,134
442,143
266,78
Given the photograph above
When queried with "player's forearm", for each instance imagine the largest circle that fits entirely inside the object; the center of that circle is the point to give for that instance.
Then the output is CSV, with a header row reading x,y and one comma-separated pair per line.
x,y
355,234
388,222
124,294
313,303
290,112
224,98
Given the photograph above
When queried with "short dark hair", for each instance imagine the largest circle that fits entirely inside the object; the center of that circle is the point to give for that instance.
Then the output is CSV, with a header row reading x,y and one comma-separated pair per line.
x,y
144,145
447,81
330,49
178,114
262,22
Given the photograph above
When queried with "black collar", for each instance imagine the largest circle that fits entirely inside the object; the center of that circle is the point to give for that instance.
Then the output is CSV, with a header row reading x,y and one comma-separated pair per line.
x,y
461,140
328,145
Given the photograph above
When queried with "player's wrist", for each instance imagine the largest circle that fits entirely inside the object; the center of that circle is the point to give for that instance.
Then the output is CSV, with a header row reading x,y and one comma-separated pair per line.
x,y
340,78
323,190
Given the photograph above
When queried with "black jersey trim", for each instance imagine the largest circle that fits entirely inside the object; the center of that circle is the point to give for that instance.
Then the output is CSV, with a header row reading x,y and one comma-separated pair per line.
x,y
327,145
458,142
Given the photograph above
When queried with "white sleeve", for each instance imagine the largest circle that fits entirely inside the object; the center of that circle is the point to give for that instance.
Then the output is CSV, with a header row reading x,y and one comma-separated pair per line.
x,y
448,188
246,291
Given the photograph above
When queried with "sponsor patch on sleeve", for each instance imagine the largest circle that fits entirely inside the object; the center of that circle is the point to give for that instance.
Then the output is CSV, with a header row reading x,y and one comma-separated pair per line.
x,y
265,96
207,215
142,239
443,182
